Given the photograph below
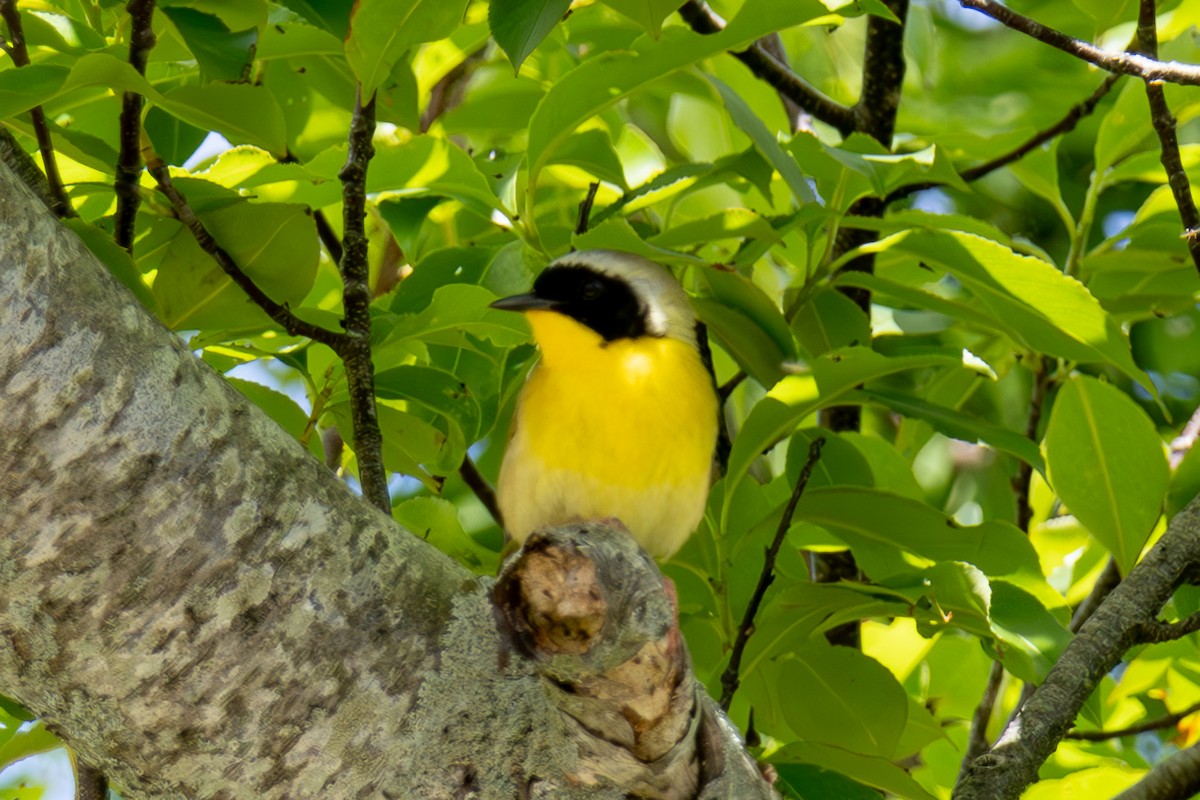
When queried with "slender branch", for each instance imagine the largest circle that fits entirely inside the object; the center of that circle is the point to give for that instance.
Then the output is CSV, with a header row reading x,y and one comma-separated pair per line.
x,y
1178,777
1169,721
1144,67
585,208
1037,400
977,741
1156,631
482,489
770,69
328,236
1164,126
129,158
356,301
1106,581
883,75
729,679
60,203
280,313
1012,764
726,388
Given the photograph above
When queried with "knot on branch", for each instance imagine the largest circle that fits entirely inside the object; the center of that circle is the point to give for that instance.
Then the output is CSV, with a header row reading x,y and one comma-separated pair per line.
x,y
597,619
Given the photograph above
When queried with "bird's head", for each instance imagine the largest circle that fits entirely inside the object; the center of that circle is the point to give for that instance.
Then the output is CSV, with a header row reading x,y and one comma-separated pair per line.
x,y
614,295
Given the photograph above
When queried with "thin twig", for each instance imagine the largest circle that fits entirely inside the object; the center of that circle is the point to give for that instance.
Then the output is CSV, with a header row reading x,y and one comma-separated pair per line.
x,y
129,158
977,741
280,313
1148,69
451,89
730,679
1156,631
356,300
585,208
1164,126
778,75
328,236
483,490
60,203
726,388
1169,721
1106,581
1021,483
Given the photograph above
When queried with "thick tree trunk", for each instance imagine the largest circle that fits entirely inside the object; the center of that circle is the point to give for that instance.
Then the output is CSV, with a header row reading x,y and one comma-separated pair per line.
x,y
202,610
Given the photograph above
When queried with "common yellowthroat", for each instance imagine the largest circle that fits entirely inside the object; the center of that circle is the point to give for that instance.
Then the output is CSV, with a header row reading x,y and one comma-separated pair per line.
x,y
619,416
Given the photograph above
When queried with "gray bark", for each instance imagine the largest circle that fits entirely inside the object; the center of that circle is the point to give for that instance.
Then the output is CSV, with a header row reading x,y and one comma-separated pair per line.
x,y
202,610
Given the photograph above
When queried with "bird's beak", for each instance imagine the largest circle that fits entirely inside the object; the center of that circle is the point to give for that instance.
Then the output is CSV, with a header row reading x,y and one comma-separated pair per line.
x,y
525,302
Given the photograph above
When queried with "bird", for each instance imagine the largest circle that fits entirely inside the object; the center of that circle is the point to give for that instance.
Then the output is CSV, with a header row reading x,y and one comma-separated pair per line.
x,y
619,416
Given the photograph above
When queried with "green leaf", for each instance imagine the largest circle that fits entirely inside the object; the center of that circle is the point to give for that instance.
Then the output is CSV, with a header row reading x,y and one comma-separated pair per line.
x,y
1028,298
869,721
797,396
242,114
829,321
25,741
434,390
746,323
519,26
382,31
436,521
454,310
1106,462
873,771
592,151
222,54
787,166
957,424
279,407
647,13
604,79
810,782
114,257
274,243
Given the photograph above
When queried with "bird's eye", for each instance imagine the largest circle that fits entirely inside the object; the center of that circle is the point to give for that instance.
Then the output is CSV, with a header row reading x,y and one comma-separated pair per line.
x,y
591,289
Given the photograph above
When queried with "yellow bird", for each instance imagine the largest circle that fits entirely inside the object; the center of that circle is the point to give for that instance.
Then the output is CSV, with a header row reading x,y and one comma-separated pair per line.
x,y
619,416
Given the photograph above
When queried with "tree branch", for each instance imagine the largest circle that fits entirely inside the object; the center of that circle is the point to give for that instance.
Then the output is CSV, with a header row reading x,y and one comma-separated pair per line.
x,y
1169,721
1176,778
129,157
1127,63
1164,126
60,203
585,209
356,301
280,313
1012,764
1156,631
730,679
778,75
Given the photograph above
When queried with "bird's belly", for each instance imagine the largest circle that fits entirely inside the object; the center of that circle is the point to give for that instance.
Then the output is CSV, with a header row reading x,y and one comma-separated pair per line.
x,y
590,444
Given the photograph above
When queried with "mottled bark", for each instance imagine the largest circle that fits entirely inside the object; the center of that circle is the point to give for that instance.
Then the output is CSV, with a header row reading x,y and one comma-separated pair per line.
x,y
203,611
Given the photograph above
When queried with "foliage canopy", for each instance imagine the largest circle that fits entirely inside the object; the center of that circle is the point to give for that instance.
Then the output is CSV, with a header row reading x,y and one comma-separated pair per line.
x,y
1032,340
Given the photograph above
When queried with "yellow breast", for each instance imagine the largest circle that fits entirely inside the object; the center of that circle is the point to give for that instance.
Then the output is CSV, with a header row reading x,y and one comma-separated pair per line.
x,y
620,429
